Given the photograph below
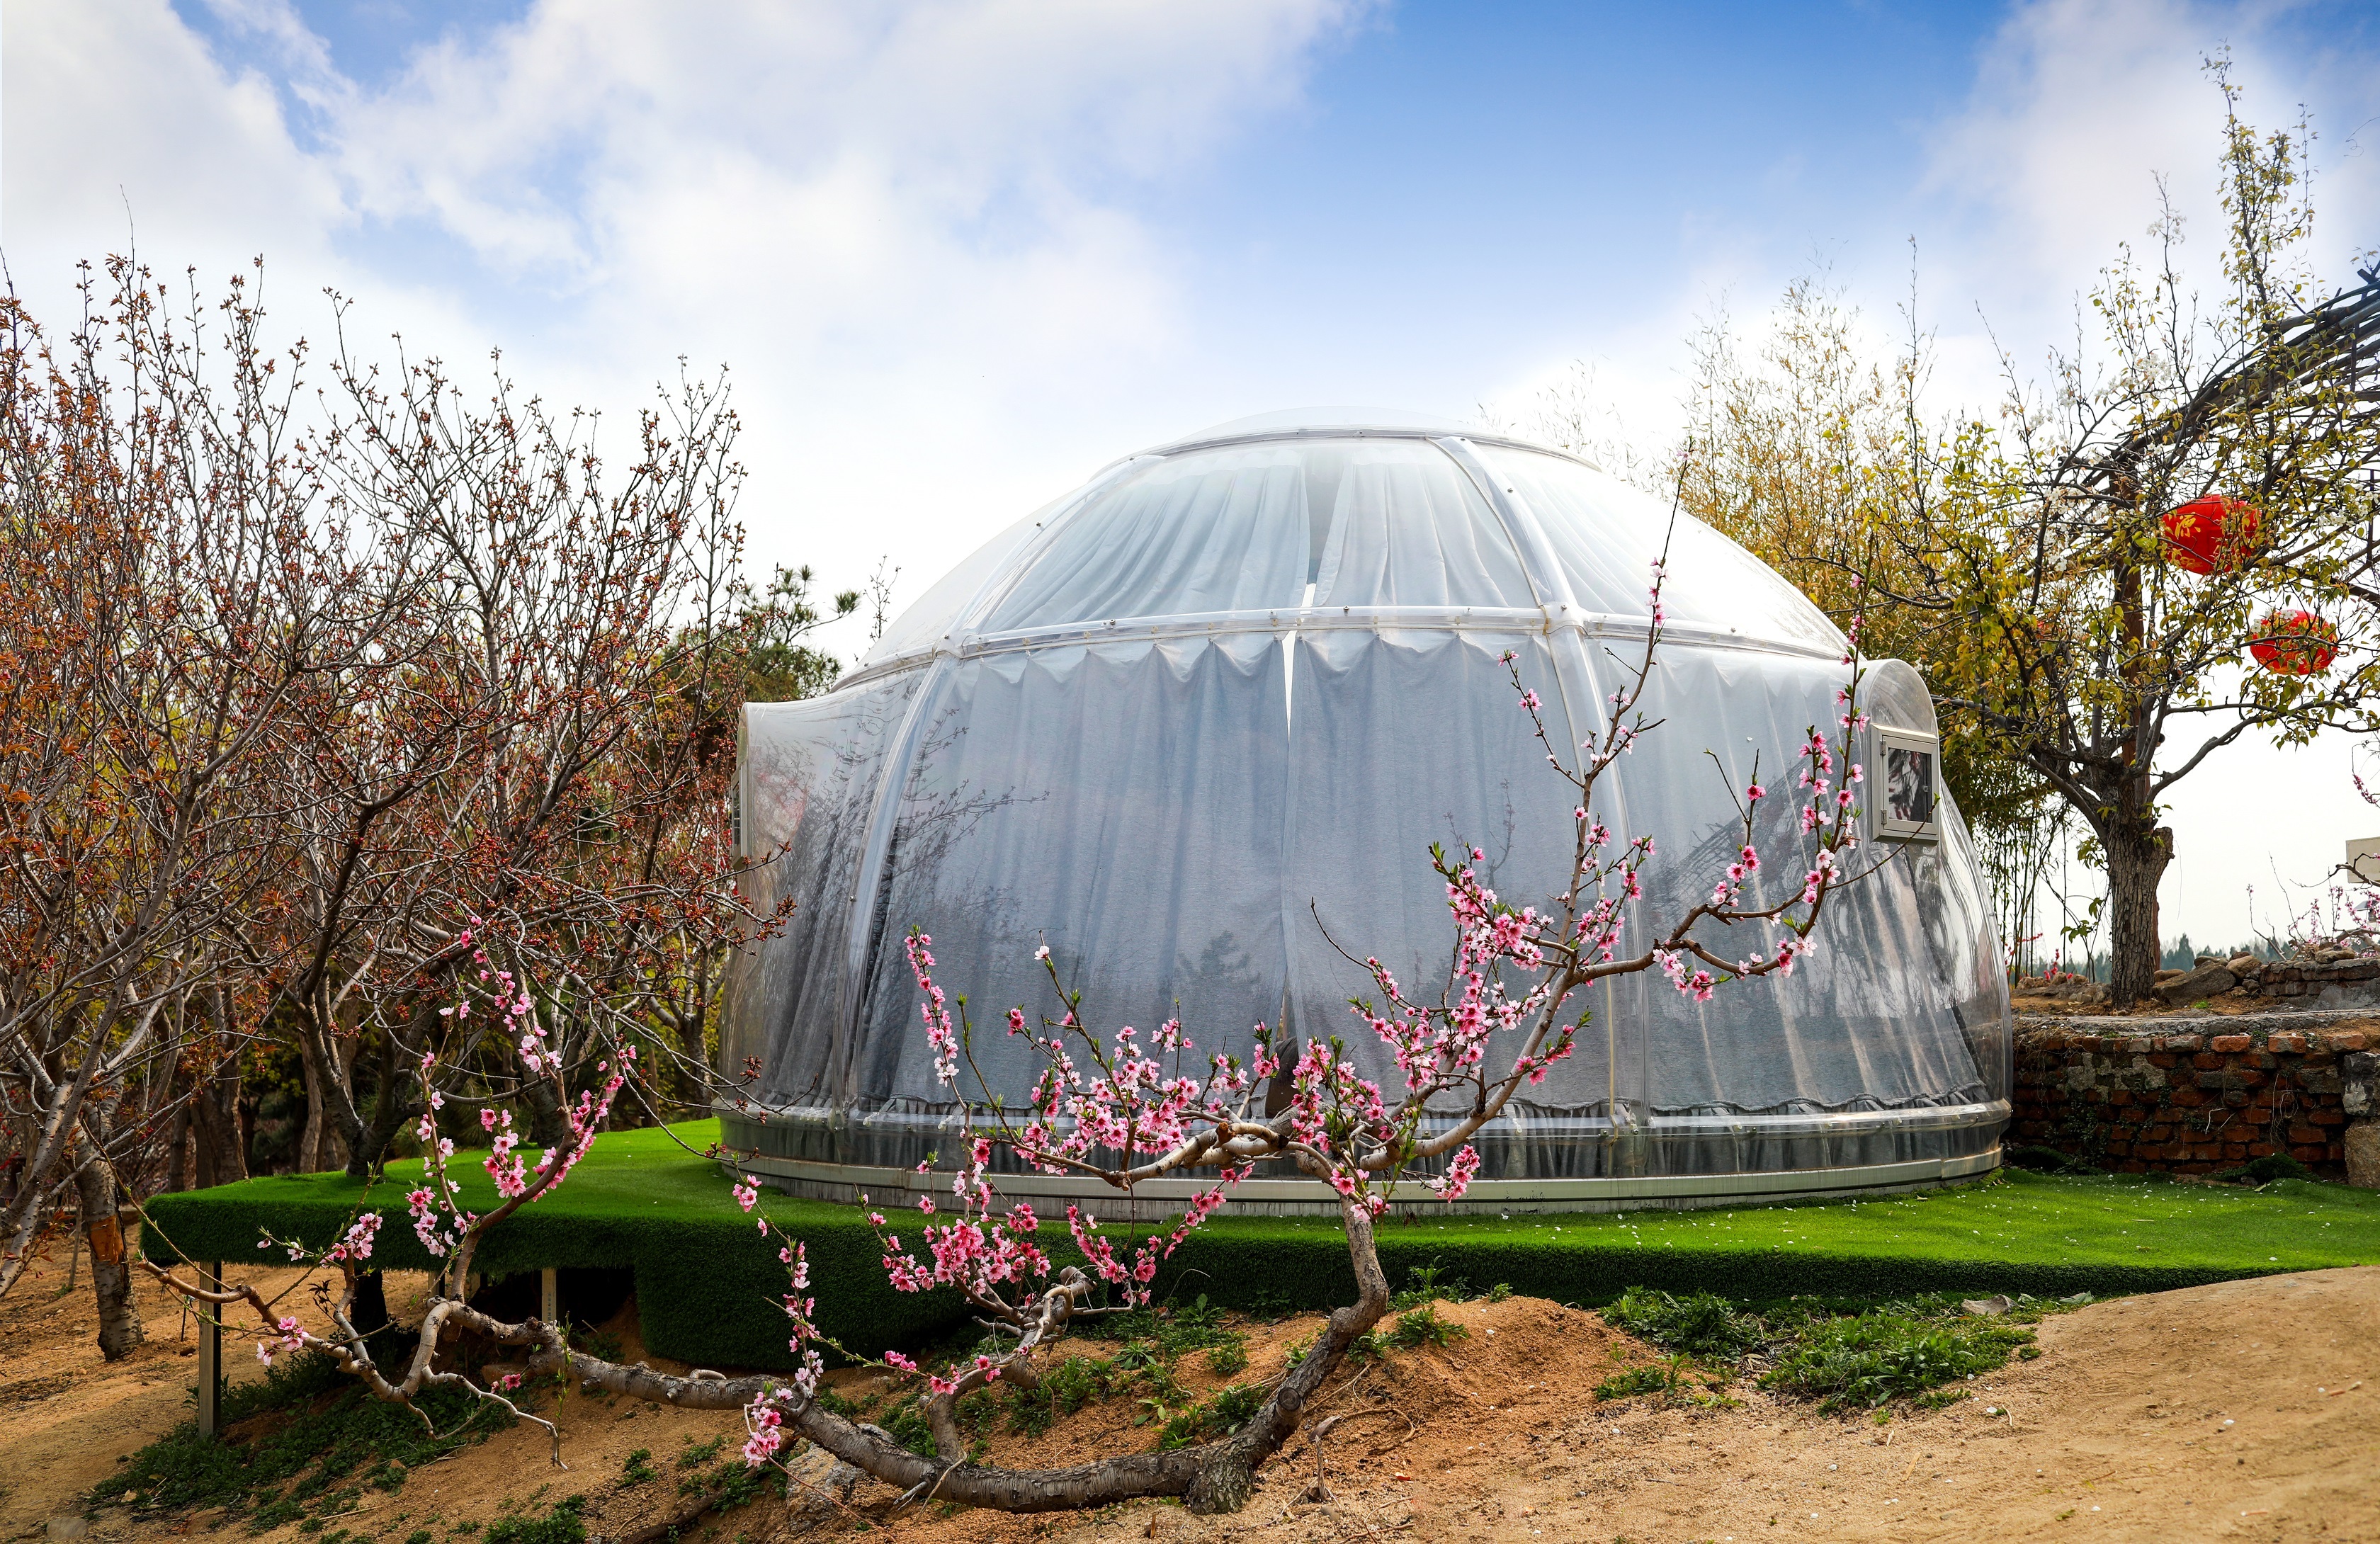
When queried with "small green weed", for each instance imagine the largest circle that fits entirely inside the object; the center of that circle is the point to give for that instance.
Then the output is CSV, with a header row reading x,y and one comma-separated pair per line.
x,y
1168,1333
1065,1389
731,1483
1141,1365
1702,1325
697,1453
1654,1377
638,1468
905,1423
1228,1361
1845,1363
565,1525
1228,1409
1272,1305
1427,1288
1419,1327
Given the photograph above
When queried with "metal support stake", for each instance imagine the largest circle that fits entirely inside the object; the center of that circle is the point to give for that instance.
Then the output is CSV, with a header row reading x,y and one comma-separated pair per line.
x,y
549,1295
211,1354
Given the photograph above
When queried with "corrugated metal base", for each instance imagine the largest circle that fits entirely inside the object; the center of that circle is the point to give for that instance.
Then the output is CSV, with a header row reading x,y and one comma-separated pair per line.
x,y
1298,1195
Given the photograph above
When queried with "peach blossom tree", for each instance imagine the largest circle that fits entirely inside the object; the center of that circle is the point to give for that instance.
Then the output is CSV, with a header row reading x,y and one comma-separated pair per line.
x,y
1128,1108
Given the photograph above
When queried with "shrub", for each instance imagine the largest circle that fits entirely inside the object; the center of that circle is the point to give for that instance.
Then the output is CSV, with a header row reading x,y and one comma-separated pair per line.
x,y
1656,1378
1427,1288
564,1525
2265,1169
1876,1358
1701,1325
1420,1327
1227,1411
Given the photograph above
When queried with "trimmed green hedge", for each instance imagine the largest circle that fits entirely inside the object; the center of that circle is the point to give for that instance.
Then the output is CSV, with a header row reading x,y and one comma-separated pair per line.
x,y
708,1285
2019,1232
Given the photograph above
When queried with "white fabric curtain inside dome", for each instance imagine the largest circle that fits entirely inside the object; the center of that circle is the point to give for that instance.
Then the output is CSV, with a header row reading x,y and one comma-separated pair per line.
x,y
1179,727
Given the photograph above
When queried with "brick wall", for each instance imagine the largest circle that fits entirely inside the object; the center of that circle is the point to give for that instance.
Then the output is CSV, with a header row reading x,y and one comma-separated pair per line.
x,y
2192,1100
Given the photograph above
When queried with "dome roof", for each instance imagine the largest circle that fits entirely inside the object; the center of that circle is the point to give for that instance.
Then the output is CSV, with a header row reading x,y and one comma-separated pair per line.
x,y
1320,421
1194,727
1358,509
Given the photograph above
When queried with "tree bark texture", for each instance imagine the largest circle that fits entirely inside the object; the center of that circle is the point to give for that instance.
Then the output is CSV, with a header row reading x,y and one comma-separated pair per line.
x,y
111,1272
694,1061
318,1147
548,1126
220,1149
2136,861
177,1143
391,1107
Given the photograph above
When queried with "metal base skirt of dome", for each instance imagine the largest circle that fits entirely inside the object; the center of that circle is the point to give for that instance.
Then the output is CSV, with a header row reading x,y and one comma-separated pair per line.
x,y
1561,1166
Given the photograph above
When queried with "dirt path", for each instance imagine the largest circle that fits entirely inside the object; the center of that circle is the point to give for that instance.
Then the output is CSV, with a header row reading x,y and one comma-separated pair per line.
x,y
2244,1411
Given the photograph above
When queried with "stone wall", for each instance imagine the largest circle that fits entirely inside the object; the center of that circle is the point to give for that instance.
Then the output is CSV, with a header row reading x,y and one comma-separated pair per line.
x,y
2194,1095
2332,982
2335,979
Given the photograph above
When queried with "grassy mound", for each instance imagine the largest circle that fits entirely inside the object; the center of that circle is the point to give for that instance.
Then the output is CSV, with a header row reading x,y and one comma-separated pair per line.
x,y
708,1285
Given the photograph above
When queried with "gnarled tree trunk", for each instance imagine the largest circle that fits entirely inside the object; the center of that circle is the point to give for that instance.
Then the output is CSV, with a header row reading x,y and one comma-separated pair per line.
x,y
1213,1477
318,1147
220,1150
111,1272
2136,861
178,1138
392,1105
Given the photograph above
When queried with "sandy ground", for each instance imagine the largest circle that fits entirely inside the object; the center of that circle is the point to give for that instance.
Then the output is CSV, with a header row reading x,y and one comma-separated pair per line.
x,y
2245,1410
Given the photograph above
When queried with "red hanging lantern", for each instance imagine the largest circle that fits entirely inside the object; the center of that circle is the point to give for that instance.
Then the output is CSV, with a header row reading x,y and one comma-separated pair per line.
x,y
2294,643
2210,533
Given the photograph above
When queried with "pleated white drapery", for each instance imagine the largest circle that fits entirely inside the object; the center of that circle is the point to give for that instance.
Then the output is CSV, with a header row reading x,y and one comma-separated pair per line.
x,y
1194,727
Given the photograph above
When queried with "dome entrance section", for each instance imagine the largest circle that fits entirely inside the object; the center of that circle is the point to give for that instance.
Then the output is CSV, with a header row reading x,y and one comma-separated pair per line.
x,y
1194,727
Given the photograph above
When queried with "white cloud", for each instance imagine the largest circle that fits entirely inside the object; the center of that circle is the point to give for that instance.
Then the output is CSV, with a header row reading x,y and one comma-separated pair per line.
x,y
2080,111
911,230
2052,164
119,120
2030,185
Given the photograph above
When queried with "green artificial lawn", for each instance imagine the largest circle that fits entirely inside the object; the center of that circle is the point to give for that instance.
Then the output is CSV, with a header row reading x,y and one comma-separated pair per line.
x,y
708,1285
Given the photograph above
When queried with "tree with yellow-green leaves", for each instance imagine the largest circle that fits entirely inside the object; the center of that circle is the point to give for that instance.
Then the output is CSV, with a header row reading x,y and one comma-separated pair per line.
x,y
1810,455
2165,548
2150,558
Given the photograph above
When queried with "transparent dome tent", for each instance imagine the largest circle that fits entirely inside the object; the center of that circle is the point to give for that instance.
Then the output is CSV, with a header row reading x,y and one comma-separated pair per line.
x,y
1203,716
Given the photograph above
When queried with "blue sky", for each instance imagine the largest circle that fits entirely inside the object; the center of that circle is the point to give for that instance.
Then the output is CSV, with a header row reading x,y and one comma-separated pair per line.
x,y
960,252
